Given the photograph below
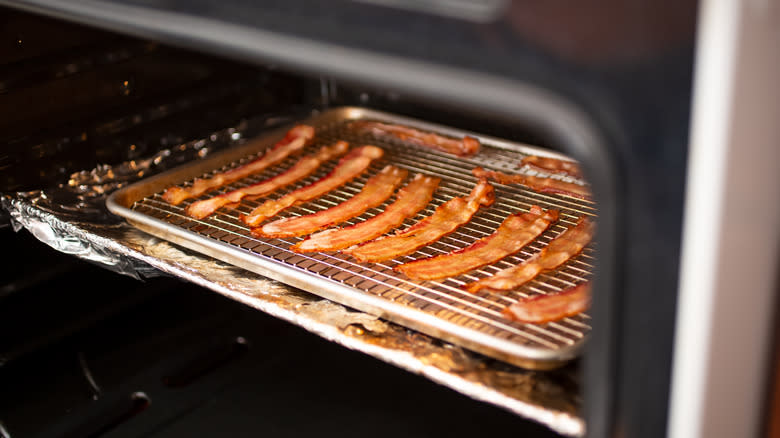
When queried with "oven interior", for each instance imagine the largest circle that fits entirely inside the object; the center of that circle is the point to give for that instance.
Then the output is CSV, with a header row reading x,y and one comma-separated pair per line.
x,y
88,352
91,352
111,356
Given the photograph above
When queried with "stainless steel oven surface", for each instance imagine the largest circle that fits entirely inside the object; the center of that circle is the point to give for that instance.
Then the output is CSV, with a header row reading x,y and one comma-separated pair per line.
x,y
668,109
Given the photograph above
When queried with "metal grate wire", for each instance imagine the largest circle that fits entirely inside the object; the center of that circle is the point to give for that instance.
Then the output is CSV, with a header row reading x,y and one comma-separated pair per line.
x,y
444,299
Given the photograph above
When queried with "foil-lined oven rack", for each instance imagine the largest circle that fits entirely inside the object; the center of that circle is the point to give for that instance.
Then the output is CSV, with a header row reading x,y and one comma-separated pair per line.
x,y
71,218
442,309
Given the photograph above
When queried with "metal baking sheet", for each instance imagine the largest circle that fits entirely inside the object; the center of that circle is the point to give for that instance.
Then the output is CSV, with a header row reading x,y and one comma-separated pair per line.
x,y
438,308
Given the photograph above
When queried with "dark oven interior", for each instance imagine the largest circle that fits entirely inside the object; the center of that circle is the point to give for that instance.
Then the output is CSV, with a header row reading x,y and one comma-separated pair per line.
x,y
99,342
88,352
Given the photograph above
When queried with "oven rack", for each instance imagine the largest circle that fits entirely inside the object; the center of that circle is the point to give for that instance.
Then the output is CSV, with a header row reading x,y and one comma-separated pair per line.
x,y
438,308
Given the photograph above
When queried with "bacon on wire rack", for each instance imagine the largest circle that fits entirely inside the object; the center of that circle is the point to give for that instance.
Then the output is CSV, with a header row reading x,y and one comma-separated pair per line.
x,y
554,165
349,167
539,184
410,199
376,191
540,309
294,141
513,234
465,147
303,168
557,252
446,218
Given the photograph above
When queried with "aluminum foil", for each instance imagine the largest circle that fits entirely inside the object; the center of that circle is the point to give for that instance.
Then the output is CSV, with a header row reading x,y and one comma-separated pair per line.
x,y
72,218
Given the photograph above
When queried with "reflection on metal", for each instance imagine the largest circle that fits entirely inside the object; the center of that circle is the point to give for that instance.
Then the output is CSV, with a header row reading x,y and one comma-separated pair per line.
x,y
483,11
88,376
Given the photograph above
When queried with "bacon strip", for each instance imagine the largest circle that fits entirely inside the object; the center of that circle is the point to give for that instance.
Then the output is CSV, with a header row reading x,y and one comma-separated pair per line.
x,y
559,250
545,308
444,220
554,165
514,233
409,200
295,140
304,167
544,185
377,189
348,168
465,147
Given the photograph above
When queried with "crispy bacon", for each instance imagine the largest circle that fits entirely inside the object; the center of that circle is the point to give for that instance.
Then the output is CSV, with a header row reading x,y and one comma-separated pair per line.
x,y
409,200
514,233
544,185
377,189
554,165
446,218
545,308
349,167
294,141
559,250
304,167
465,147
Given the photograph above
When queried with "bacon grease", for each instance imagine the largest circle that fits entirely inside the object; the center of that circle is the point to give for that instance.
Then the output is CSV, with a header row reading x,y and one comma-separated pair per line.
x,y
294,141
444,220
514,233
